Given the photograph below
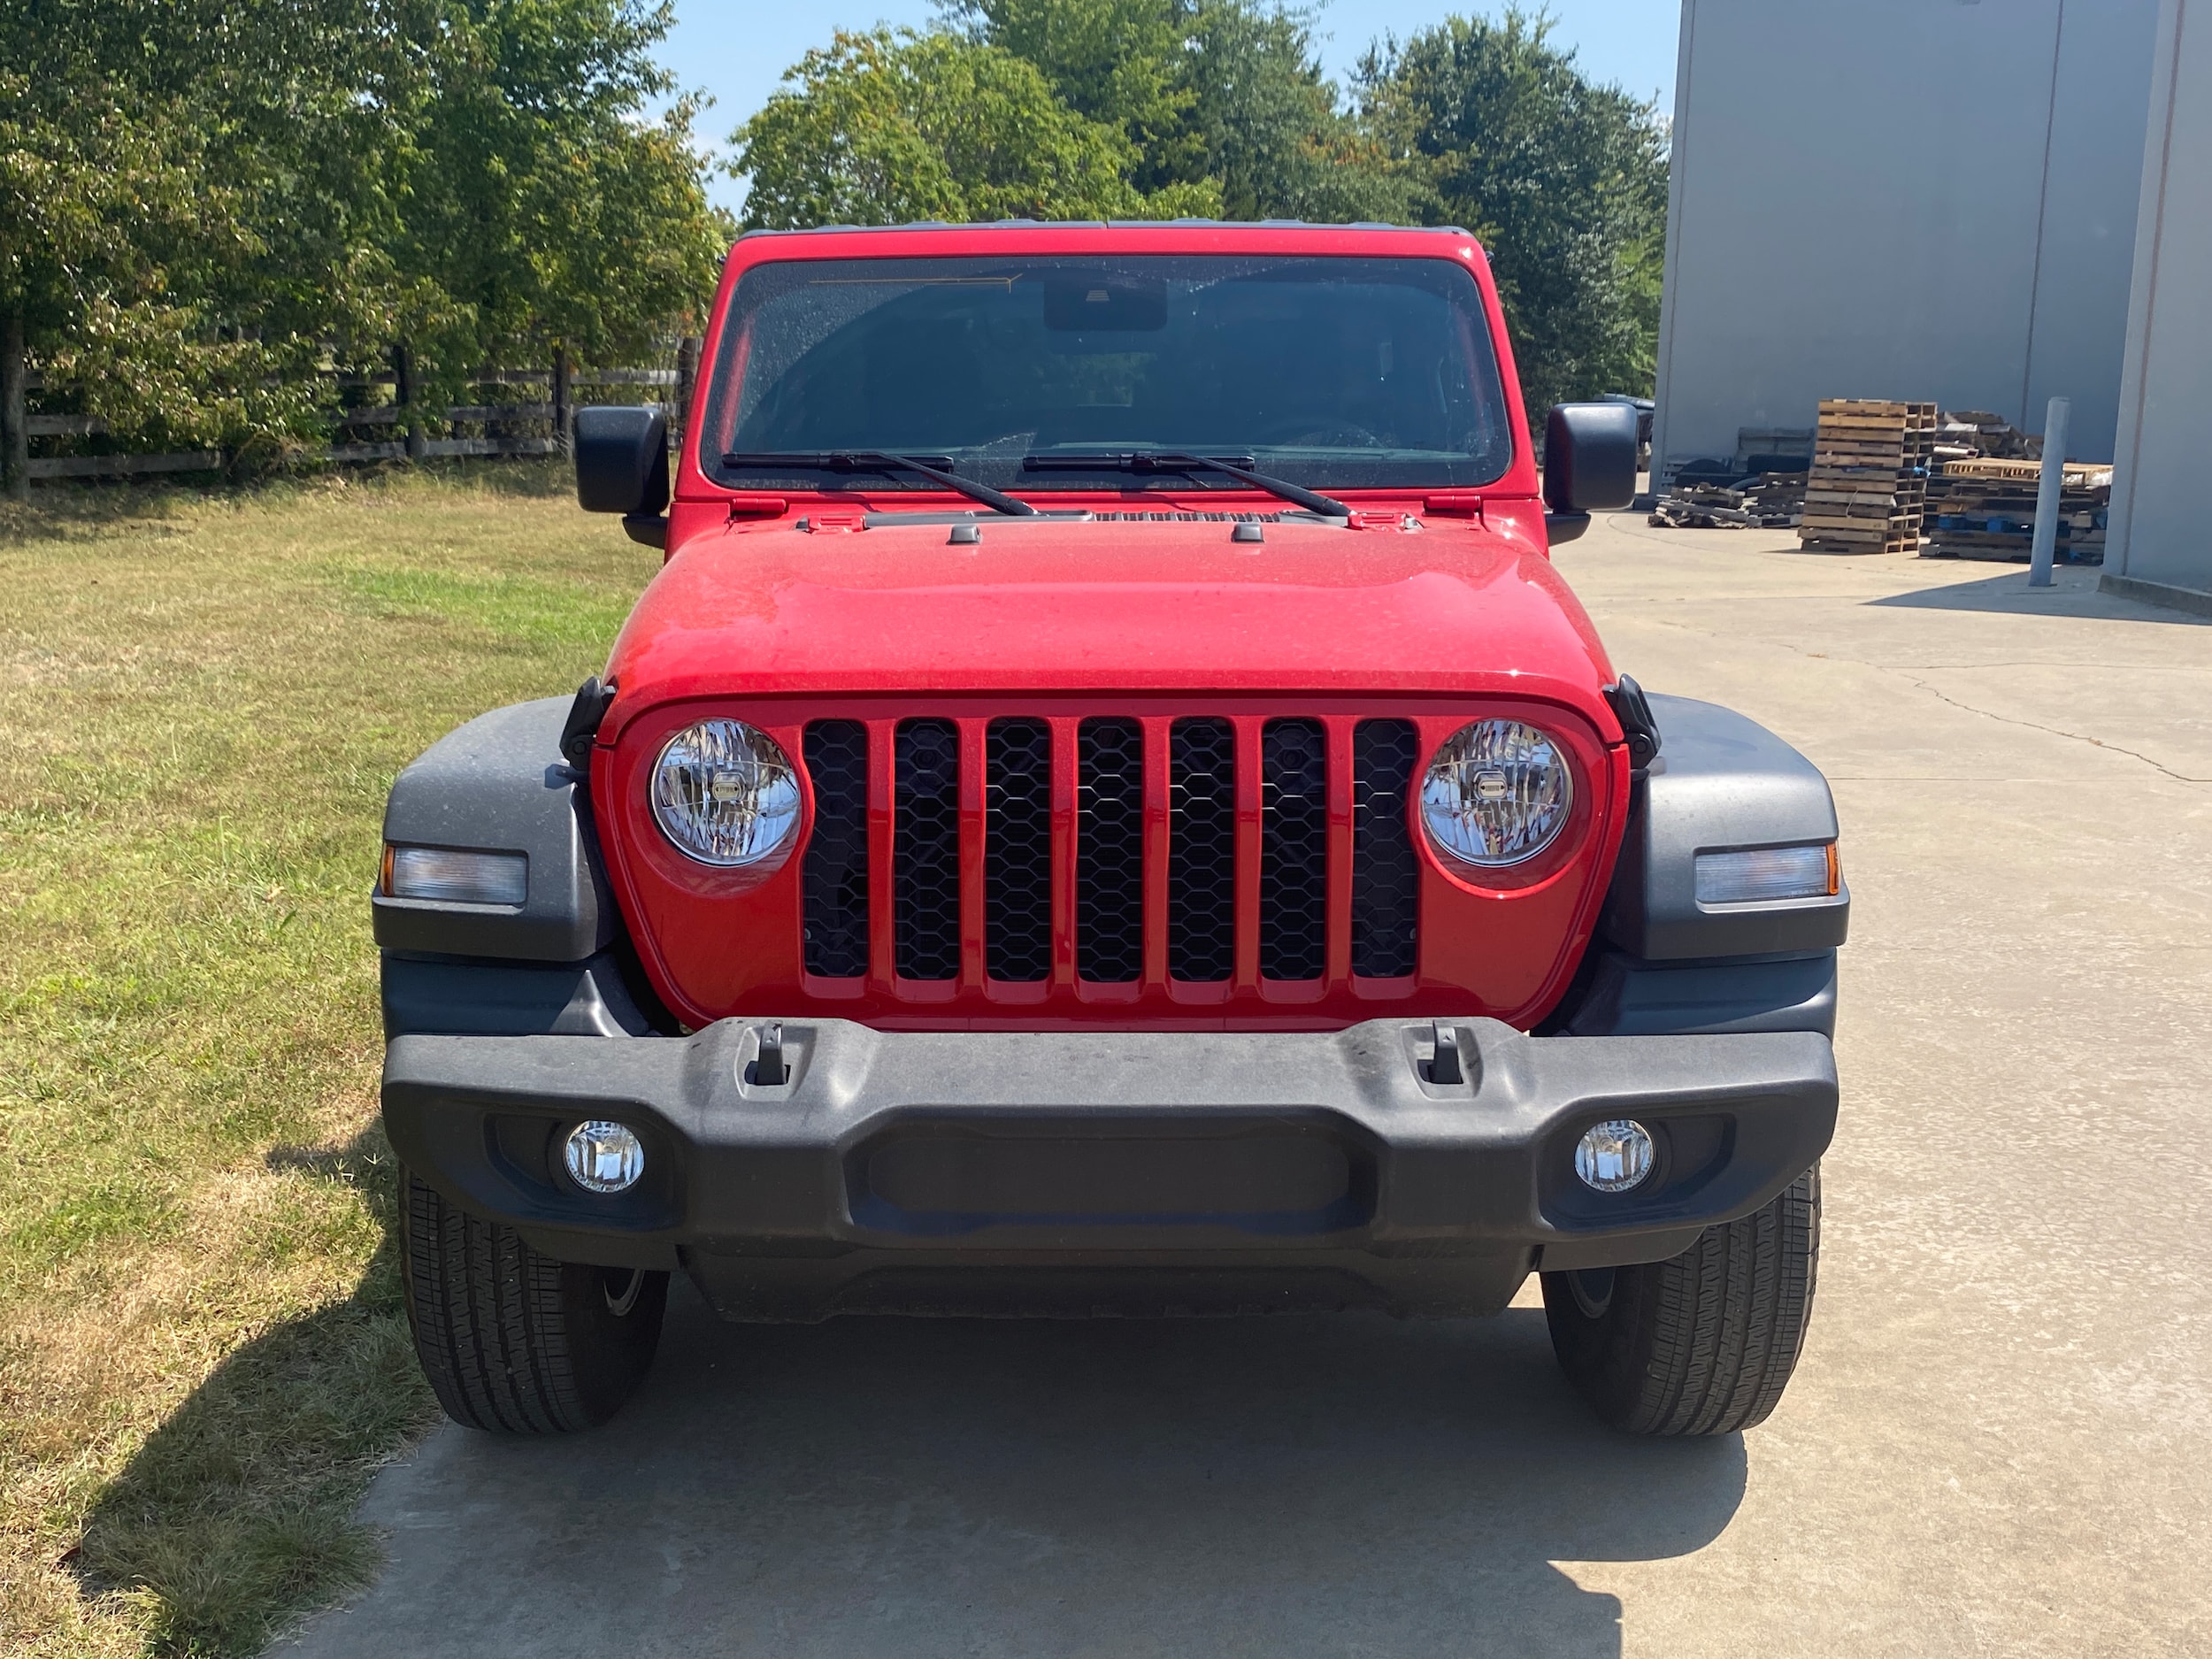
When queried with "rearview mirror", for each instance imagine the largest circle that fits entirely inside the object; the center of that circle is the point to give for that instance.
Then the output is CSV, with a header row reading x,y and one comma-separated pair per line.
x,y
622,466
1589,457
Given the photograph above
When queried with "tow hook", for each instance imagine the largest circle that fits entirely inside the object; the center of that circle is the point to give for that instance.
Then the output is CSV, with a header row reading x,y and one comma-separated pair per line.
x,y
768,1069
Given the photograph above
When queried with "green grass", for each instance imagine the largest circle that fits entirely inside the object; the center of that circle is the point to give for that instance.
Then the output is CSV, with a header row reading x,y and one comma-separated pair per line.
x,y
202,1356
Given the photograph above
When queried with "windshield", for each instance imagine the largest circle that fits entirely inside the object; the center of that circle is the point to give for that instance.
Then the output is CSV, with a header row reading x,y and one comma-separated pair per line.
x,y
1330,372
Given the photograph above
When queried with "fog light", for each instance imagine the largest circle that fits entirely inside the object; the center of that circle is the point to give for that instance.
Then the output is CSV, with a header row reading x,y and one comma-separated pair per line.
x,y
604,1157
1614,1156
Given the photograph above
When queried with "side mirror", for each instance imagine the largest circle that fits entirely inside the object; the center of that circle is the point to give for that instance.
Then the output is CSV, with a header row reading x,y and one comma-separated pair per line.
x,y
1589,463
622,466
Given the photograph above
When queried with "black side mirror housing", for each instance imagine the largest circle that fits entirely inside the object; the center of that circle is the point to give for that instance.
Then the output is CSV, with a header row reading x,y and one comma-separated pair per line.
x,y
622,466
1589,457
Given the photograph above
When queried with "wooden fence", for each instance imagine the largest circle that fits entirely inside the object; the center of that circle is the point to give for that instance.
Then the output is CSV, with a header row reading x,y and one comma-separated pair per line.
x,y
395,431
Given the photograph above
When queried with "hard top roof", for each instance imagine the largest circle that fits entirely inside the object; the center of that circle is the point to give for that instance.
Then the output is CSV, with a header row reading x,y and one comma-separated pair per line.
x,y
1117,224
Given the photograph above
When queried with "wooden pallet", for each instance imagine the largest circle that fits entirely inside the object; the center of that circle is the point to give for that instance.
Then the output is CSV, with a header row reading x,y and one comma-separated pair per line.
x,y
1859,529
1823,543
1821,517
1869,408
1867,483
1883,496
2021,538
2075,474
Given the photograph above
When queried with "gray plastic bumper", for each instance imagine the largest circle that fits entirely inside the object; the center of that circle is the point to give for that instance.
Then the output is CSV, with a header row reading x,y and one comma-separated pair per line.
x,y
1065,1149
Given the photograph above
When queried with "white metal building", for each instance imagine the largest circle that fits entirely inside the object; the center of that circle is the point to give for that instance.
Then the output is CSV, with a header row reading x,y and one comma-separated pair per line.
x,y
1920,199
2159,546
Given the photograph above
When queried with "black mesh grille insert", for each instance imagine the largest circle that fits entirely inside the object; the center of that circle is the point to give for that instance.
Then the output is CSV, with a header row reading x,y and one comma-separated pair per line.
x,y
1386,881
1110,850
926,852
1018,849
836,870
1201,850
1294,849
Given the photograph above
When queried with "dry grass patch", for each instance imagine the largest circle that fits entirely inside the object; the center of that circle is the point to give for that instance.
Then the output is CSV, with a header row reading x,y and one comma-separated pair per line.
x,y
202,1355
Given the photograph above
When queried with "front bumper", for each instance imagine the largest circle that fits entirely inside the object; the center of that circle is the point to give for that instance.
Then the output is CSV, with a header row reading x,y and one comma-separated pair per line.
x,y
1082,1171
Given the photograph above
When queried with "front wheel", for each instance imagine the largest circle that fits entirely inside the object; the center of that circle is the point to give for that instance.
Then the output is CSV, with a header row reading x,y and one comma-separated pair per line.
x,y
513,1341
1703,1344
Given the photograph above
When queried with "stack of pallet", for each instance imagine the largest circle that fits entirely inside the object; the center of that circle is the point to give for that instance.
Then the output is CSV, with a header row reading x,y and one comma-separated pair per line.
x,y
1776,500
1772,500
1985,509
1975,432
1870,476
1701,506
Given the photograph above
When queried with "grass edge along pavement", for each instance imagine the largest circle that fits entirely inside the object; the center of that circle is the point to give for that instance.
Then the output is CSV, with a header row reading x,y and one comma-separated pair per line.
x,y
203,1353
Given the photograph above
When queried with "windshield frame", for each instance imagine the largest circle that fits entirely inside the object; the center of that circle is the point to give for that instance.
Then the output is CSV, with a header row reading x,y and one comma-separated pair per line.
x,y
700,474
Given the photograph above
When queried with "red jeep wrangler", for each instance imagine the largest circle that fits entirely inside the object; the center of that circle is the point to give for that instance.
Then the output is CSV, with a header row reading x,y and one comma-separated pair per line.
x,y
1109,808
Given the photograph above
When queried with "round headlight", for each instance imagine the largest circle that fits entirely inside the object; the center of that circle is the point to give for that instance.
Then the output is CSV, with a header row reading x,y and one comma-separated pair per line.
x,y
1497,793
724,793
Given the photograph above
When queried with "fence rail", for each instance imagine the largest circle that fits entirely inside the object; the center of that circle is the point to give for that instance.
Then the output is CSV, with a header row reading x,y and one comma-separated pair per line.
x,y
116,465
355,430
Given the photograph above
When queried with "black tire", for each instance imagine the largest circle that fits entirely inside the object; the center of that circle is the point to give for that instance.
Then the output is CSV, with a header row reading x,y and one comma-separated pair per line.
x,y
1703,1344
515,1341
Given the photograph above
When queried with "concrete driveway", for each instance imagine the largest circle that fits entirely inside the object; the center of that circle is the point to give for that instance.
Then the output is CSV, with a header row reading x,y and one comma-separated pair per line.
x,y
2000,1440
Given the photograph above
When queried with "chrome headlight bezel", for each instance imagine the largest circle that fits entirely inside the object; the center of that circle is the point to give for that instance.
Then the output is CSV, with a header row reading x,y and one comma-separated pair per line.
x,y
725,794
1496,795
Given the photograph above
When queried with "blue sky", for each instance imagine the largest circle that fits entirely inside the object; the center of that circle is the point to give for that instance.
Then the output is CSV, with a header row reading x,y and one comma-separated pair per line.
x,y
736,50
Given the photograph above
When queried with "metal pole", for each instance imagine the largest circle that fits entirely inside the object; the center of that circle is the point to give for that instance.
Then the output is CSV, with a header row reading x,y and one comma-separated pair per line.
x,y
2046,496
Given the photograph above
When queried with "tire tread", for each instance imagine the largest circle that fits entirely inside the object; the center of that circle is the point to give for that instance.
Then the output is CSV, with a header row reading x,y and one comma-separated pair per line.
x,y
492,1321
1705,1343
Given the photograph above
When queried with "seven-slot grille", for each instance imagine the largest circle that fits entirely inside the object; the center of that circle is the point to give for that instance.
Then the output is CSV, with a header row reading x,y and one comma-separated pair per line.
x,y
1114,849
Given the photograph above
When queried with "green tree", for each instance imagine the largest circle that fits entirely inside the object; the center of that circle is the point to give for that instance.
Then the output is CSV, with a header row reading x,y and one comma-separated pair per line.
x,y
542,210
133,153
885,128
203,201
1564,182
1227,93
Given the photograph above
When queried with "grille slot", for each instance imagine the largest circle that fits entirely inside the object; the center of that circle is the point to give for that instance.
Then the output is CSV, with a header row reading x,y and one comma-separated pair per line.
x,y
1110,850
1023,848
1017,850
1294,849
926,852
1386,881
836,870
1201,850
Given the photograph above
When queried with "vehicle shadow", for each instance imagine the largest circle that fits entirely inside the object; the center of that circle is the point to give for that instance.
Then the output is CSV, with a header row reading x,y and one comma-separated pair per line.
x,y
1282,1486
235,1509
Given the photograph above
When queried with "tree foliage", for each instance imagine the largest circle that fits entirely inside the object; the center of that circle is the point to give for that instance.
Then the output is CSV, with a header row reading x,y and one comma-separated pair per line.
x,y
1563,181
540,210
1225,95
202,199
884,129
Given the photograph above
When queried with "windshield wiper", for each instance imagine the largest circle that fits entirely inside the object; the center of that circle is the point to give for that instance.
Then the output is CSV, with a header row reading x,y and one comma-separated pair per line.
x,y
881,461
1175,461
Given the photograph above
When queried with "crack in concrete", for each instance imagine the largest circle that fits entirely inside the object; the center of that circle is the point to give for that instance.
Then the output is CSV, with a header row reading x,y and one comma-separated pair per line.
x,y
2033,725
1944,697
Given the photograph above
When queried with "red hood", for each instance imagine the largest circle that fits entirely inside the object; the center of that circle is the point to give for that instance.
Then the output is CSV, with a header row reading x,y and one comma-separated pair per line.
x,y
1445,607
